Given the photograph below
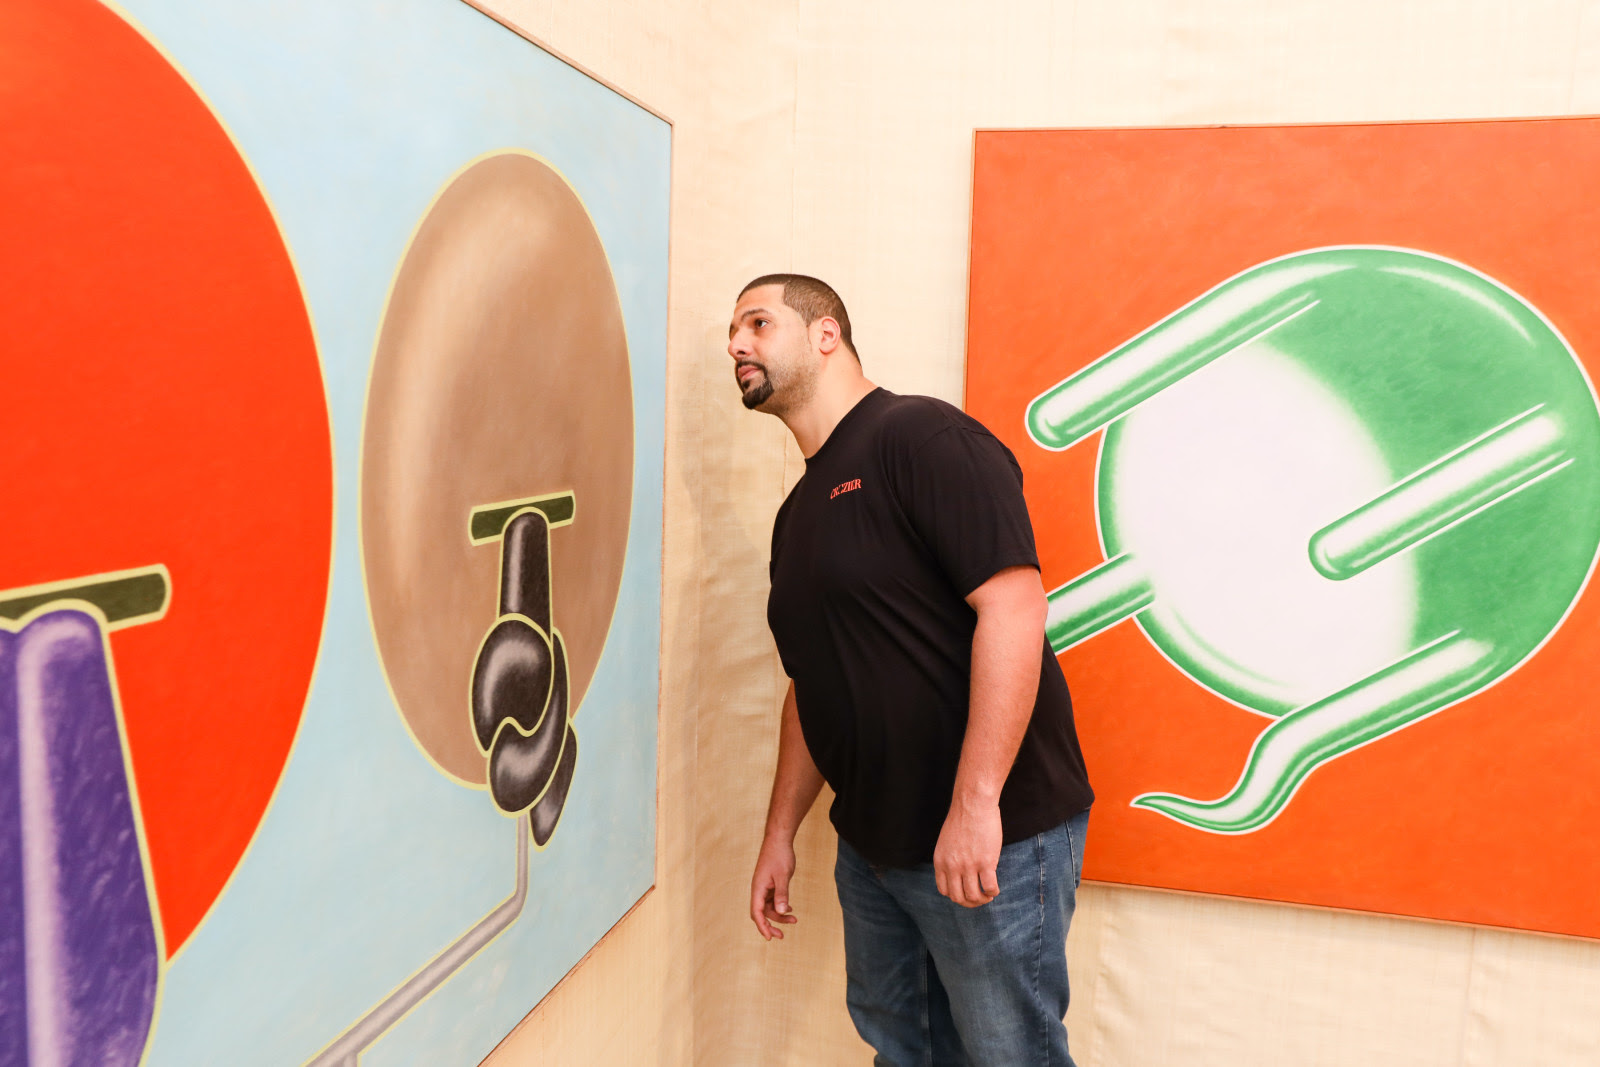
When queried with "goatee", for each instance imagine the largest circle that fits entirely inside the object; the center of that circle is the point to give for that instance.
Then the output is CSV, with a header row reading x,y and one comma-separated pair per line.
x,y
758,394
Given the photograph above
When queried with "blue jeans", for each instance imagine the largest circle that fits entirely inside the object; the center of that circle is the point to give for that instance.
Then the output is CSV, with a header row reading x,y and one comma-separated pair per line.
x,y
932,984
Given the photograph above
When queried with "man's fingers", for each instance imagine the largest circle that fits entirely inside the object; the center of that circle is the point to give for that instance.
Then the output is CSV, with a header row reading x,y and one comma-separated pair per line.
x,y
778,909
957,892
952,883
769,905
960,885
761,912
757,907
971,888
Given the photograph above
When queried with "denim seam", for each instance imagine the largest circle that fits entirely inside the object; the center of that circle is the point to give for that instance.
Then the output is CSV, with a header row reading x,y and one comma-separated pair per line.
x,y
1038,945
1073,854
927,1022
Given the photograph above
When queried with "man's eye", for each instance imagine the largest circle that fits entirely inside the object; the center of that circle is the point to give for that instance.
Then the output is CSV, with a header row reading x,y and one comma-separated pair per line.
x,y
761,322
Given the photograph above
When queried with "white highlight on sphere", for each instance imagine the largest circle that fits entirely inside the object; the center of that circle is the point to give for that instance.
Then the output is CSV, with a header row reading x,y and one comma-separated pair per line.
x,y
1218,483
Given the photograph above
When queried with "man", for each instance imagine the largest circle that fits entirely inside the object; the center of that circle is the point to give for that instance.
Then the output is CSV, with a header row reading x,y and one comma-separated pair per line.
x,y
907,609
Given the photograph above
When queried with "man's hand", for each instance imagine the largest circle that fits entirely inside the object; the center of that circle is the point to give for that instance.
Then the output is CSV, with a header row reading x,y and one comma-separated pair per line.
x,y
964,861
795,786
769,887
1006,646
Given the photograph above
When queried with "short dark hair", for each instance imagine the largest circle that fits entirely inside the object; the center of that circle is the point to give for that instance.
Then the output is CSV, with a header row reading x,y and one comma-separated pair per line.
x,y
812,299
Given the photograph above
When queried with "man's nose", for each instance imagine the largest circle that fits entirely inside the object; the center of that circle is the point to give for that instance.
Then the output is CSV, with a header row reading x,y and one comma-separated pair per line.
x,y
737,345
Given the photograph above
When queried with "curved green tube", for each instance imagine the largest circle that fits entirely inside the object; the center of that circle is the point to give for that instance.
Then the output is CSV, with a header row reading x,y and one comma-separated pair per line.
x,y
1290,749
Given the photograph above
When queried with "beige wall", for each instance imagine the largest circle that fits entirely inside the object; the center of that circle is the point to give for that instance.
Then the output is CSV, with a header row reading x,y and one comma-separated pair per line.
x,y
834,136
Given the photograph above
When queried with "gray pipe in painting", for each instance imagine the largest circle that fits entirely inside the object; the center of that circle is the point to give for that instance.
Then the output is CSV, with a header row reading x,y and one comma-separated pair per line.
x,y
346,1049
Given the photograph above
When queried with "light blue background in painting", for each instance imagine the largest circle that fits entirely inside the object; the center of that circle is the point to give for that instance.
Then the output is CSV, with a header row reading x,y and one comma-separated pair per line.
x,y
353,114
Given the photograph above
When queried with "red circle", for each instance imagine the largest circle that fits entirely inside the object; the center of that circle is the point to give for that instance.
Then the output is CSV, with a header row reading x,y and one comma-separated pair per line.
x,y
165,405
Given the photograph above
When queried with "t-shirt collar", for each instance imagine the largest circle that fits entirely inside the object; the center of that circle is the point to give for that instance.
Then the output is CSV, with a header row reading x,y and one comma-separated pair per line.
x,y
878,394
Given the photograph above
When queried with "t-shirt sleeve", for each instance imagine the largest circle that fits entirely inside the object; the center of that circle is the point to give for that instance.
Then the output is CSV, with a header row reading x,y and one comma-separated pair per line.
x,y
961,490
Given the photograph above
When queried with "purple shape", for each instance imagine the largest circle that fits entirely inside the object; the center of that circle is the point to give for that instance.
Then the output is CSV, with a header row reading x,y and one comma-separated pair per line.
x,y
91,962
13,986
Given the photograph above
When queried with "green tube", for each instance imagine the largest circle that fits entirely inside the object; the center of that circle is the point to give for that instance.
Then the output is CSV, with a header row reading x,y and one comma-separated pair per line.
x,y
1097,600
1480,474
1290,749
1241,310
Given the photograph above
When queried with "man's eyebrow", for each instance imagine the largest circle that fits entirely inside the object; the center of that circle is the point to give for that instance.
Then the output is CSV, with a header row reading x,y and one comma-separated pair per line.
x,y
732,326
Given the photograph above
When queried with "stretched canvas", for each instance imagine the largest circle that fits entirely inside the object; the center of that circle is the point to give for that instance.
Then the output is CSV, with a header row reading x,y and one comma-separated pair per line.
x,y
1308,428
330,594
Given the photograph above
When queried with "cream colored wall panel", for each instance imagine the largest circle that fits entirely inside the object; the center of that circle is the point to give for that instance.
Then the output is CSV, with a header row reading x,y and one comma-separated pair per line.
x,y
579,1023
1532,1001
1085,951
1584,95
1244,61
1195,980
883,138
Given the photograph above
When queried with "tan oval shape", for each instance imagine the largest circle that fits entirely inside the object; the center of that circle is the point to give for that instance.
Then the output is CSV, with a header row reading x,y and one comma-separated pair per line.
x,y
501,372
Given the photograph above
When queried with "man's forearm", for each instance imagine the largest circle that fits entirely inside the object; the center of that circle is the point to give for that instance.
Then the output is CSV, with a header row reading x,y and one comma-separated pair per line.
x,y
797,781
1006,646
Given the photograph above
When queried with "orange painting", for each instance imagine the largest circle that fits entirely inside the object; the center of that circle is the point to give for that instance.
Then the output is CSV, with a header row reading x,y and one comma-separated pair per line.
x,y
1308,432
168,413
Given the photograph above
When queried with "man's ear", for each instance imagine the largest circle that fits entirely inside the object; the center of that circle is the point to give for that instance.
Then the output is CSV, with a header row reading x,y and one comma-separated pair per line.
x,y
825,334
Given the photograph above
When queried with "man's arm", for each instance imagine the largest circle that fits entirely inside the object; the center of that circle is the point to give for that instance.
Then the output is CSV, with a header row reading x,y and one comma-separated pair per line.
x,y
795,785
1005,682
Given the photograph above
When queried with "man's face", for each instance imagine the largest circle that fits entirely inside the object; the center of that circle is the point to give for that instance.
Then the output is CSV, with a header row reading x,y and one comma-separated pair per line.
x,y
773,360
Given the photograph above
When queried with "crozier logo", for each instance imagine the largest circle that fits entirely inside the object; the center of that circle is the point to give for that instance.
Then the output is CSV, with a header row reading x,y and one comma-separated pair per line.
x,y
847,487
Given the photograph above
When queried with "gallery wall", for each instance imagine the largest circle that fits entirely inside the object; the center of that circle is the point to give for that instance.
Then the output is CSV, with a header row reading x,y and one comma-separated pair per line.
x,y
836,138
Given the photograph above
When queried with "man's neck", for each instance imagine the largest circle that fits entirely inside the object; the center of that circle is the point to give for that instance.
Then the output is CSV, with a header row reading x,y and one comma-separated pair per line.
x,y
813,424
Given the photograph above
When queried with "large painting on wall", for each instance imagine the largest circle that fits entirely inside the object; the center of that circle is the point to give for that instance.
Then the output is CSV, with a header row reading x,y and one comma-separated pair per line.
x,y
1308,427
330,594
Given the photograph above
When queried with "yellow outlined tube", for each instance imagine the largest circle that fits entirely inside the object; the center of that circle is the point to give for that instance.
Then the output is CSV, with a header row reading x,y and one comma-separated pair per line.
x,y
124,598
129,597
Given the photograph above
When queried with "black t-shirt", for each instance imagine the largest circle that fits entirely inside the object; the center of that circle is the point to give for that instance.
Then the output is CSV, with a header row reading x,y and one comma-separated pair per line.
x,y
907,507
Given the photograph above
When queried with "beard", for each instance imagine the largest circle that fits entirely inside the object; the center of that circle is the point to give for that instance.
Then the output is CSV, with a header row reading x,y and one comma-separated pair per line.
x,y
756,393
790,389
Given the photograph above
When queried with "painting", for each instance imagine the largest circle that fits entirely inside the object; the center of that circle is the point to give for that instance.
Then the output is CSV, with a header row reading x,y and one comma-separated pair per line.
x,y
1309,434
329,607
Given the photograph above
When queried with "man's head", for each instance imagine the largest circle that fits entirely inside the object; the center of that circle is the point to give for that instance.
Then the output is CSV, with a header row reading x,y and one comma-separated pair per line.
x,y
786,328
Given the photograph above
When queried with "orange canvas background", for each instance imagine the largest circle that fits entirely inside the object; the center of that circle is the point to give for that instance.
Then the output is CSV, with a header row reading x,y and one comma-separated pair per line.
x,y
1483,813
166,406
